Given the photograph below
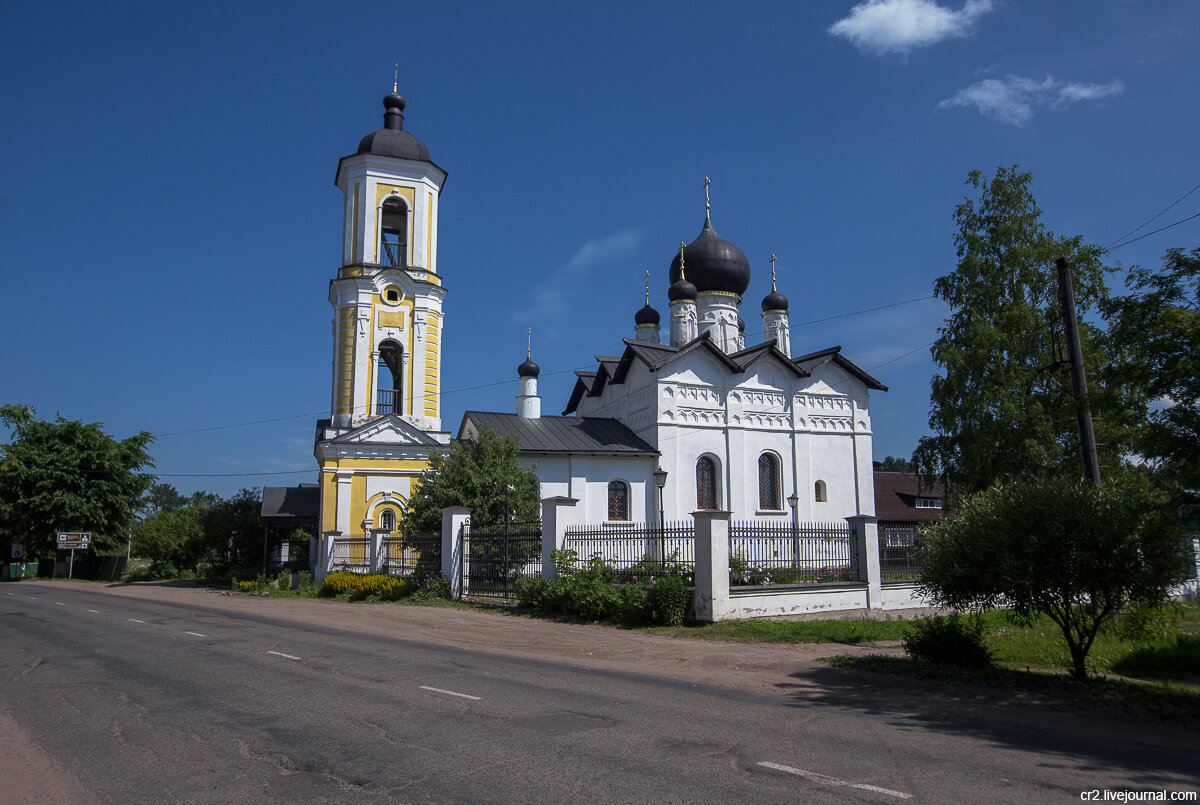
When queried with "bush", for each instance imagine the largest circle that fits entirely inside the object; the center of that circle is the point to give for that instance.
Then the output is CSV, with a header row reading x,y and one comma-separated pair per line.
x,y
360,587
948,640
669,600
431,588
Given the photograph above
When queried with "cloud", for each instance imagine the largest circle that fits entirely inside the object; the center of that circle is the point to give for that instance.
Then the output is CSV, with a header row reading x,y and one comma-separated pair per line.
x,y
1014,99
898,26
551,300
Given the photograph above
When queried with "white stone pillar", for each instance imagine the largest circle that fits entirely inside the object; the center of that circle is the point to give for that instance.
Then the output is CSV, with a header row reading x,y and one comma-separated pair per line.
x,y
529,404
710,601
556,511
326,558
683,322
864,530
453,521
377,548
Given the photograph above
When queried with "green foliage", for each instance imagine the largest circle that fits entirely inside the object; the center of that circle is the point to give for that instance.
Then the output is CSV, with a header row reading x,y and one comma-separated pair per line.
x,y
897,464
1181,660
1156,335
1072,551
995,412
475,474
432,588
949,640
358,587
68,476
173,540
233,529
669,601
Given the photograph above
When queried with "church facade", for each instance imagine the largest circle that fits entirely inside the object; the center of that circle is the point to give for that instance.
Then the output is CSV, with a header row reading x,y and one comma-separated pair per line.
x,y
385,403
702,421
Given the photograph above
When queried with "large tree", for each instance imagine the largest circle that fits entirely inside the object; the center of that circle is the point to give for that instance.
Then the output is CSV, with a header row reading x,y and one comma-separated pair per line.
x,y
68,476
1001,407
1065,548
1156,332
475,474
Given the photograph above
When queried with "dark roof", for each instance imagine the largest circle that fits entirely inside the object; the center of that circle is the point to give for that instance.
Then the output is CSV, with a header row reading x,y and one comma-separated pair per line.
x,y
896,496
392,140
813,360
712,263
291,502
774,301
528,368
561,434
647,315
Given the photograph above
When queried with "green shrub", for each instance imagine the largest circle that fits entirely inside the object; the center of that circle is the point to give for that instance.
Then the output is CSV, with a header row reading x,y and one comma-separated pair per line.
x,y
1178,661
359,587
669,600
532,592
633,605
432,588
948,640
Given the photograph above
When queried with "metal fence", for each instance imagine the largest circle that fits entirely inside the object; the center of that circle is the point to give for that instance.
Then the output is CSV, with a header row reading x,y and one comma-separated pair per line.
x,y
898,546
496,556
352,554
634,552
417,556
805,553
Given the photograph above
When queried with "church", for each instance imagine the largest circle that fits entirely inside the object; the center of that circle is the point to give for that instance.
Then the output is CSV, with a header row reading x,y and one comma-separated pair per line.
x,y
659,429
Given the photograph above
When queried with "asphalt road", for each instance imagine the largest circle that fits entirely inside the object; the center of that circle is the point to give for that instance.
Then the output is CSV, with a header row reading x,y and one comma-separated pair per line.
x,y
189,701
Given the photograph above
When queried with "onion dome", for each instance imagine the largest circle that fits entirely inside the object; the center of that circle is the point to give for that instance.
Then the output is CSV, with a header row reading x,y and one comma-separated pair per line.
x,y
528,369
681,290
647,315
392,140
774,301
741,325
713,264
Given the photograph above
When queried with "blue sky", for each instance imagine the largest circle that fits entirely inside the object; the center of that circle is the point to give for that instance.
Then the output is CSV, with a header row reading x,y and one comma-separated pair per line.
x,y
169,223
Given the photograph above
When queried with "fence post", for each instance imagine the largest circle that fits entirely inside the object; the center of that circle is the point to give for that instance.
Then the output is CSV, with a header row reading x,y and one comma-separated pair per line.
x,y
554,517
377,557
864,531
326,558
453,518
710,601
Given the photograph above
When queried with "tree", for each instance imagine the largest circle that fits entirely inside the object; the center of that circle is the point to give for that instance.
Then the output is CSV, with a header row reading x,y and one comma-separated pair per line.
x,y
1156,330
896,464
172,539
233,530
68,476
995,410
474,474
1065,548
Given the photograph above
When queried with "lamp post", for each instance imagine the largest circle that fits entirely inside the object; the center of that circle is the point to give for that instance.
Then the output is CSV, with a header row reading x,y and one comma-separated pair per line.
x,y
794,501
660,480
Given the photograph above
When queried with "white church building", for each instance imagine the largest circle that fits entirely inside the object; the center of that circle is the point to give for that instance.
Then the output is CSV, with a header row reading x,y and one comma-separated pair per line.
x,y
709,421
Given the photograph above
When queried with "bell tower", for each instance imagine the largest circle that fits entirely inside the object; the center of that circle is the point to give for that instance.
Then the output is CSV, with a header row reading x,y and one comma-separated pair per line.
x,y
387,296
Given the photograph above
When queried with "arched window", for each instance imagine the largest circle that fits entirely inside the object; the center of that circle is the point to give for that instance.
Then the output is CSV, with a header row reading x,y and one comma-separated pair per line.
x,y
819,494
387,520
393,233
769,496
389,375
706,483
618,500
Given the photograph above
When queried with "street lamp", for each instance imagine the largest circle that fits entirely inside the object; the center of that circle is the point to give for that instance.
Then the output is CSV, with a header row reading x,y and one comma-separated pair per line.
x,y
660,480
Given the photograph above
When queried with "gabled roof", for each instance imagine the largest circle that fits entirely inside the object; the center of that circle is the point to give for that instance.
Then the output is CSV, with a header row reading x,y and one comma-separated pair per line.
x,y
291,502
551,435
896,496
389,429
813,360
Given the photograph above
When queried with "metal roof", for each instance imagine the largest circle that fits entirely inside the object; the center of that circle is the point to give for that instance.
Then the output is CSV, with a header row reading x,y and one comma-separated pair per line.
x,y
291,502
561,434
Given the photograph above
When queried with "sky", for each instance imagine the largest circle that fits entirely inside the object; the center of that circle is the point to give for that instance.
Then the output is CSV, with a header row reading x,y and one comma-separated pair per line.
x,y
169,223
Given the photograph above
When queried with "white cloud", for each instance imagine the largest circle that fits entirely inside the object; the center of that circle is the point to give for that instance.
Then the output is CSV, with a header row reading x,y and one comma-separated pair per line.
x,y
1014,99
898,26
551,300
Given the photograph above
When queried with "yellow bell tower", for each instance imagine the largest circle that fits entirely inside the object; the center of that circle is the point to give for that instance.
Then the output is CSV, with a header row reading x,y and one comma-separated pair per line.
x,y
385,403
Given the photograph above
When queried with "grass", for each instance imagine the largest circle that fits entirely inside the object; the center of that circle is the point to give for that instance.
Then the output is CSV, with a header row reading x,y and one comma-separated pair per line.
x,y
847,632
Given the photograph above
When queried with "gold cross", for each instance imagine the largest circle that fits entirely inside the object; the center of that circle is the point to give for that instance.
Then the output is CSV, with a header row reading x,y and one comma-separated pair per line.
x,y
706,207
395,76
647,287
681,259
529,344
772,273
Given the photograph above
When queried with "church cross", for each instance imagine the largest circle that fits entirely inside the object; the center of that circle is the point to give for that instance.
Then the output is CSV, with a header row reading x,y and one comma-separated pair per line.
x,y
395,76
529,344
681,259
647,287
772,273
706,206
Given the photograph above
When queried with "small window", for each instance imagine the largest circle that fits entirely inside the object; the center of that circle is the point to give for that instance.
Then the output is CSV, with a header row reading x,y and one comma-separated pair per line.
x,y
387,520
769,497
929,503
618,500
391,295
820,495
706,483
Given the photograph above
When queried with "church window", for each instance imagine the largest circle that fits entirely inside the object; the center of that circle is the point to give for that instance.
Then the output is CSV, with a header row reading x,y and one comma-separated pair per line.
x,y
387,520
820,495
706,483
392,295
769,497
393,233
618,500
389,397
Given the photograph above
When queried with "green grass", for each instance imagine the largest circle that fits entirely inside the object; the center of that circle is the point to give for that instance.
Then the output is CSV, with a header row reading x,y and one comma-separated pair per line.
x,y
848,632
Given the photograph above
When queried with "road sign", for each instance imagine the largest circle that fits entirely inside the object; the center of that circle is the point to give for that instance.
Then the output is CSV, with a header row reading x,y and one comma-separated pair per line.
x,y
71,540
18,551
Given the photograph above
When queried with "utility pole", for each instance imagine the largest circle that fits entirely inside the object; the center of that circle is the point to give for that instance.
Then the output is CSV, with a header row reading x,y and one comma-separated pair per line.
x,y
1083,411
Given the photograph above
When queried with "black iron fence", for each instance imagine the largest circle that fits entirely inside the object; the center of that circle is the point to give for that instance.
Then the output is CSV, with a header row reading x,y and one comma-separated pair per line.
x,y
416,557
898,546
805,553
496,555
633,553
352,554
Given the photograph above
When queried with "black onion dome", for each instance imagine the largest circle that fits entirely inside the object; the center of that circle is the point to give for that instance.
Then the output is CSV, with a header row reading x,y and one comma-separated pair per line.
x,y
647,315
528,369
774,301
741,325
681,290
392,140
712,263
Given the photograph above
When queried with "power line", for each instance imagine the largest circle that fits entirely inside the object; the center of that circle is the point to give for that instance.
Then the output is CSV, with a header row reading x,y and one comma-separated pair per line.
x,y
1152,220
1155,232
865,310
227,474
